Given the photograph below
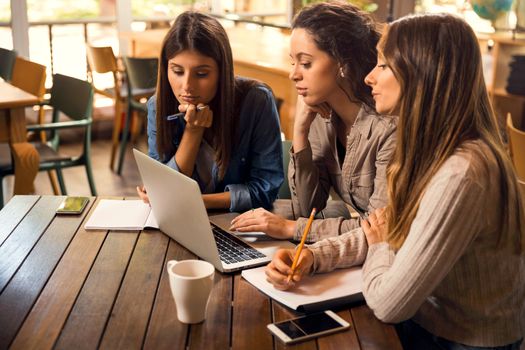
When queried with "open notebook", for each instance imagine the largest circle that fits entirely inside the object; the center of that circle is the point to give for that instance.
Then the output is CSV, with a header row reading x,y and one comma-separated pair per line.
x,y
318,292
113,214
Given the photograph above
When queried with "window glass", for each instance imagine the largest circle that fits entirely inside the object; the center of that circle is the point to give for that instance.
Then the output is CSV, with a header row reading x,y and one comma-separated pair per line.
x,y
6,39
38,10
269,11
467,10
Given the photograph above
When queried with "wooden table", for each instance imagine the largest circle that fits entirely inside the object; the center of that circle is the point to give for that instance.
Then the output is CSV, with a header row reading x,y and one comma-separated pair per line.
x,y
66,288
13,130
262,53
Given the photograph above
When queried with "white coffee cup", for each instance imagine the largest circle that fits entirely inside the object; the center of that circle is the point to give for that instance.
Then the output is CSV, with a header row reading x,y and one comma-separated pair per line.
x,y
191,282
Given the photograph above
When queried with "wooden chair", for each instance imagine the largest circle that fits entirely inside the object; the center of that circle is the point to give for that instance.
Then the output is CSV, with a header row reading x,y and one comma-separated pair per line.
x,y
73,98
517,153
7,61
102,60
516,148
31,77
141,76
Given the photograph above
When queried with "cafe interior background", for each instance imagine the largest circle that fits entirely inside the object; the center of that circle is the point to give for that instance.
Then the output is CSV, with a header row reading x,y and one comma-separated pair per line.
x,y
55,33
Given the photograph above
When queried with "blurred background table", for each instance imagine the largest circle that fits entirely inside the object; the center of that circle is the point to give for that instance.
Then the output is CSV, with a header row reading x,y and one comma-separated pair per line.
x,y
13,132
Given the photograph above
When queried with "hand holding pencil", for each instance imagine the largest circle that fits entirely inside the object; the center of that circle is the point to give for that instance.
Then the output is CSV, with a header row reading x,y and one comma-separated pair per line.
x,y
196,116
289,265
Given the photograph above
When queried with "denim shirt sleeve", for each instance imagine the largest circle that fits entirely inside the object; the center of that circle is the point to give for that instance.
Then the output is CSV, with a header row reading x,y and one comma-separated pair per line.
x,y
260,119
152,129
152,134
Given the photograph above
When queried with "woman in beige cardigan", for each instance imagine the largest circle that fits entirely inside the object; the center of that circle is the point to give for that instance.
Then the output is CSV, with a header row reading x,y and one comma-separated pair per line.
x,y
339,140
446,258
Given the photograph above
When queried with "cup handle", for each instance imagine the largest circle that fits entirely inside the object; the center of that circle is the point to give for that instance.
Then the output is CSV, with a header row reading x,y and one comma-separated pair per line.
x,y
171,263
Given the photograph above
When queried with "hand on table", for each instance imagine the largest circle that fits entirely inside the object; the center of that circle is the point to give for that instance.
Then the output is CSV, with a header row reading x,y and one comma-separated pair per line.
x,y
261,220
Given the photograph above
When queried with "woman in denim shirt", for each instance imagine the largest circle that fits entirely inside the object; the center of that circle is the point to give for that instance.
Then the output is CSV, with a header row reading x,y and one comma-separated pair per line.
x,y
227,136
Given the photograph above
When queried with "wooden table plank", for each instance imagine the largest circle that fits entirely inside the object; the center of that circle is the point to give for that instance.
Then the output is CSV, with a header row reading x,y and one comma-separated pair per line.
x,y
44,323
85,324
129,318
281,313
20,294
344,340
12,96
13,212
251,314
18,245
371,332
218,317
164,330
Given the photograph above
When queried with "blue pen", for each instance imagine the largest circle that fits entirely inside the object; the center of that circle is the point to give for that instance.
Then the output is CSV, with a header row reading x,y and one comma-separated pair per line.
x,y
181,114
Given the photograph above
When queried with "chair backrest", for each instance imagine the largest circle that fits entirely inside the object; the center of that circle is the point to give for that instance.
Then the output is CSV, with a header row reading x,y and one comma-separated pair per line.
x,y
141,73
101,59
7,61
71,96
284,191
29,76
516,148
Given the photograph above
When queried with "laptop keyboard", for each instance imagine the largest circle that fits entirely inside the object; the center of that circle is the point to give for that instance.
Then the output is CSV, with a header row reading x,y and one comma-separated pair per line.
x,y
233,249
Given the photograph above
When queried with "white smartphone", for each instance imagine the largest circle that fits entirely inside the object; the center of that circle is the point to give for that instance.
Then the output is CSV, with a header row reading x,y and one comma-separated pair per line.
x,y
308,327
72,205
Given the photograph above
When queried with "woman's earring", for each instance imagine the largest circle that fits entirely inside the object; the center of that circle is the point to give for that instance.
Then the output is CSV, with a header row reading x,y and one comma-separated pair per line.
x,y
341,73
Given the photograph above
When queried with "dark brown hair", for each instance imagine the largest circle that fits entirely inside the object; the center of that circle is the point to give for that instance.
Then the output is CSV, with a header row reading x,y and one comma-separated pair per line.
x,y
204,34
347,34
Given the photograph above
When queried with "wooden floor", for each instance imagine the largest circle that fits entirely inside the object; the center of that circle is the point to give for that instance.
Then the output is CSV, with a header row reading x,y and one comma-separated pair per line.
x,y
107,182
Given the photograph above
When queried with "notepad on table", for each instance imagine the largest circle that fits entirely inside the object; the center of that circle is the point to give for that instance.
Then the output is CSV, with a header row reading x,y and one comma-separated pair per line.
x,y
111,214
313,293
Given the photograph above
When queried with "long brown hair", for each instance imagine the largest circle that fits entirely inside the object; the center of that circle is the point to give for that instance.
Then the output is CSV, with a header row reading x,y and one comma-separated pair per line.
x,y
204,34
444,102
347,34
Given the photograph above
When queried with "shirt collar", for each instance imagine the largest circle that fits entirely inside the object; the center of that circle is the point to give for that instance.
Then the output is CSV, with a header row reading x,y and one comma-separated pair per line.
x,y
363,122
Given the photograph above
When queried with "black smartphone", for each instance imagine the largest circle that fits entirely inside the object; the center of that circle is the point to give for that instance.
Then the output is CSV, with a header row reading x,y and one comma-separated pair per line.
x,y
308,327
72,205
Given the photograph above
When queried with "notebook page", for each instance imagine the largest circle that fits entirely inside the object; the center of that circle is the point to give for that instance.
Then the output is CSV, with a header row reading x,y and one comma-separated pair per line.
x,y
151,221
314,289
111,214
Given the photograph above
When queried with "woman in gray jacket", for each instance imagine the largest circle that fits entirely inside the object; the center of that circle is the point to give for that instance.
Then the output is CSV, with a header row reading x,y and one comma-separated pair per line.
x,y
339,140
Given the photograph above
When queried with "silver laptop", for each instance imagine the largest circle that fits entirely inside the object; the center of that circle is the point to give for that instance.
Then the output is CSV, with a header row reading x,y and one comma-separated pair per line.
x,y
177,205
